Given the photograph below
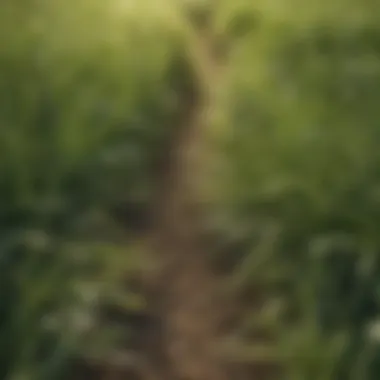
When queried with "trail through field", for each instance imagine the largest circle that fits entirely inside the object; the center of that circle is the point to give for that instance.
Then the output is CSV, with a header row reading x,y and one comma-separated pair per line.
x,y
183,290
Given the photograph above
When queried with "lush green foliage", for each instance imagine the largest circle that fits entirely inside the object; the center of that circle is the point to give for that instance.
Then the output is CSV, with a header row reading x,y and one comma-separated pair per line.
x,y
304,152
87,105
82,116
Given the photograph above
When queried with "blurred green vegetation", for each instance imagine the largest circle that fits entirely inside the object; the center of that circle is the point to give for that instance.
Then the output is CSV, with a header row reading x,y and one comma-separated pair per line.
x,y
303,150
87,106
82,117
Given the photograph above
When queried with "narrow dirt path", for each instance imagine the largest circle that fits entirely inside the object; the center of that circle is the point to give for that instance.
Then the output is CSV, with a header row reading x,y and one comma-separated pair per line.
x,y
182,291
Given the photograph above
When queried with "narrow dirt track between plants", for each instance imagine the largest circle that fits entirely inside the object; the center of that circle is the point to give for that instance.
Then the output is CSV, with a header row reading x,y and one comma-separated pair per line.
x,y
182,293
